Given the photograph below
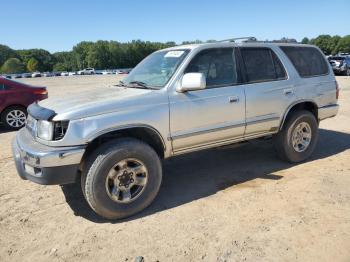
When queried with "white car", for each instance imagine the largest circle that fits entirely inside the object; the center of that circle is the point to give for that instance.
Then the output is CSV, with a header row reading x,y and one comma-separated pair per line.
x,y
106,72
64,73
36,74
72,73
87,71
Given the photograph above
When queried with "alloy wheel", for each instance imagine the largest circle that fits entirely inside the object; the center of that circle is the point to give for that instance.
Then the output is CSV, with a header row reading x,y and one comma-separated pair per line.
x,y
301,137
126,180
16,118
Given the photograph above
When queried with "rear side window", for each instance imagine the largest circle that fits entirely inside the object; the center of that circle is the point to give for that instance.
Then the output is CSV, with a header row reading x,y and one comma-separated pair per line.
x,y
262,64
218,66
308,61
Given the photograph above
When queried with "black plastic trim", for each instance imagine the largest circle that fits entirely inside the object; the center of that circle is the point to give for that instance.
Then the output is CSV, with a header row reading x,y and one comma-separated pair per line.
x,y
40,113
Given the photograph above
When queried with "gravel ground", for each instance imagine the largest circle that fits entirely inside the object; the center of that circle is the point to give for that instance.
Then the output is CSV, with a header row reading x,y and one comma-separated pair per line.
x,y
228,204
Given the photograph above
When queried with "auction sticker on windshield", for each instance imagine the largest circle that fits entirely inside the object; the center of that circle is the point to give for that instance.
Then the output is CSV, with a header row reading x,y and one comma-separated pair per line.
x,y
174,54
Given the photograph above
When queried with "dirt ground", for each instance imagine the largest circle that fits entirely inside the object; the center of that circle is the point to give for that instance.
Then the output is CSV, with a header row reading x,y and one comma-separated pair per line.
x,y
229,204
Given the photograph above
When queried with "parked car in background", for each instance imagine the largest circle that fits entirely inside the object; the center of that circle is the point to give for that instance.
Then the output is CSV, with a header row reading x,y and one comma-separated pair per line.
x,y
26,75
48,74
15,97
64,73
177,100
17,76
72,73
123,72
87,71
106,72
340,64
36,74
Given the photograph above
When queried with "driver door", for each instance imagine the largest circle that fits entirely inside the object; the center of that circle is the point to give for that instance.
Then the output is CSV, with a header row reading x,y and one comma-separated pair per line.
x,y
212,116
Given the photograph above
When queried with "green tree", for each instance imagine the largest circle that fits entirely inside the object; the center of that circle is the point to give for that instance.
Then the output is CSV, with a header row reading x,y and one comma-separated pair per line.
x,y
343,45
13,66
60,67
305,40
44,58
81,51
32,65
324,42
99,55
334,43
6,53
65,61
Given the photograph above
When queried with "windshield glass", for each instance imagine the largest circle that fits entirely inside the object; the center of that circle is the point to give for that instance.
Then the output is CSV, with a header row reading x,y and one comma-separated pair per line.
x,y
156,69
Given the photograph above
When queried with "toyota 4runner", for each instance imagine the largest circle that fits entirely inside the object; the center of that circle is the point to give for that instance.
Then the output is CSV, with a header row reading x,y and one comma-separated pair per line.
x,y
177,100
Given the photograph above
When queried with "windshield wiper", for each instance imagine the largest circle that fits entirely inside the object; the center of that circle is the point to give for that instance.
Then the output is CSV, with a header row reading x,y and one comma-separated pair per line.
x,y
140,84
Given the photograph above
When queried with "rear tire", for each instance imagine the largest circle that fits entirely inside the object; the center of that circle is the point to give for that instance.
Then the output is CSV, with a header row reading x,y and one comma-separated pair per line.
x,y
110,188
298,137
14,117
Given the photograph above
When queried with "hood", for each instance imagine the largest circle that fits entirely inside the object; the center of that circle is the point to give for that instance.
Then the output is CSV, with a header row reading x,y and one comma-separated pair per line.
x,y
98,101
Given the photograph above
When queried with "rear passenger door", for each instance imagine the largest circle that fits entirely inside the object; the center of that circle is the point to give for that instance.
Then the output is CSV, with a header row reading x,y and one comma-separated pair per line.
x,y
268,90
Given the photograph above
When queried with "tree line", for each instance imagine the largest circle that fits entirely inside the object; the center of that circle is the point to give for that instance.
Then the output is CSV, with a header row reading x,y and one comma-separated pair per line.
x,y
113,54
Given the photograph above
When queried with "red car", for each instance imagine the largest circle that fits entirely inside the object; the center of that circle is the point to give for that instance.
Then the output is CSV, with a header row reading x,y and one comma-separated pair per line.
x,y
15,97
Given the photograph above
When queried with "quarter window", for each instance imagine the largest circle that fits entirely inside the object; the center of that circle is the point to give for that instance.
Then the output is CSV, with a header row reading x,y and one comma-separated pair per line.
x,y
262,65
308,61
217,65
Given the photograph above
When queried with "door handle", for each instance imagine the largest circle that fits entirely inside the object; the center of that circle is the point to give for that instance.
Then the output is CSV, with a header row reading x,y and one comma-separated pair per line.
x,y
233,99
288,91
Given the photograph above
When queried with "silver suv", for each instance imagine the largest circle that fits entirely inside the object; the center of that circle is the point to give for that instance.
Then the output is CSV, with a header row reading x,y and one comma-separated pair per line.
x,y
177,100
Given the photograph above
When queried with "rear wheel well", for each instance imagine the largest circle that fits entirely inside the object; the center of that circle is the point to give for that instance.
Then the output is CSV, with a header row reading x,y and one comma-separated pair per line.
x,y
145,134
309,106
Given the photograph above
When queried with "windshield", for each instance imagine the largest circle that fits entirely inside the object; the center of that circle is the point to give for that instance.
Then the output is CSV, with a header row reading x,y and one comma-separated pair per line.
x,y
156,69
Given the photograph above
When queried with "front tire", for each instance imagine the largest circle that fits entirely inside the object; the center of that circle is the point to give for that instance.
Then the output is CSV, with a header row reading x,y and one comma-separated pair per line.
x,y
298,137
121,178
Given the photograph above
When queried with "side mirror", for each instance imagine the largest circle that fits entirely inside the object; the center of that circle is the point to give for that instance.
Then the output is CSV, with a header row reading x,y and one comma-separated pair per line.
x,y
192,82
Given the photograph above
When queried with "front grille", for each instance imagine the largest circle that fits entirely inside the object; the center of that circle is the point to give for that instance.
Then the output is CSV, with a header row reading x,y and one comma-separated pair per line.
x,y
60,129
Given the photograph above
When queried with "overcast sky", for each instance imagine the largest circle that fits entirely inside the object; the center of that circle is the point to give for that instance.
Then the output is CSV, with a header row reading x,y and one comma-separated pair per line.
x,y
59,25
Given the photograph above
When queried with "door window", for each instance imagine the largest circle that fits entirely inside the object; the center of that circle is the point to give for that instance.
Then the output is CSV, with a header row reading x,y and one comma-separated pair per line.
x,y
217,65
262,64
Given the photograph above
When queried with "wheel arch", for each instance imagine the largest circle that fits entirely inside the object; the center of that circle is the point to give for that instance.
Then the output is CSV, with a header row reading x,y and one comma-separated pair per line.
x,y
308,105
13,105
145,133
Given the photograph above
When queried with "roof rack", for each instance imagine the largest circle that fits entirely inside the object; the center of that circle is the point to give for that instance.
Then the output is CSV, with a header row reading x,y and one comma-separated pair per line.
x,y
245,39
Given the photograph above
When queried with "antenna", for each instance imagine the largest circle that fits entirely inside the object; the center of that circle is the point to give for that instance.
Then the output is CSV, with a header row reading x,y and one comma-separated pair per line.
x,y
246,39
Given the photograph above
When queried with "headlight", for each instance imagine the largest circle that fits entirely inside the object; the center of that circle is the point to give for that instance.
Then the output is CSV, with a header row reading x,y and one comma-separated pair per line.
x,y
45,130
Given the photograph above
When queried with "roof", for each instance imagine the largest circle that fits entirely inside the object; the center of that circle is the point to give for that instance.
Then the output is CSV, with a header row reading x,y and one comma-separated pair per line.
x,y
231,44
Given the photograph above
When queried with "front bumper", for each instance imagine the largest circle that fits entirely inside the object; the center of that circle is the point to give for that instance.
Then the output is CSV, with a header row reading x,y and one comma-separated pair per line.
x,y
339,70
327,111
43,164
